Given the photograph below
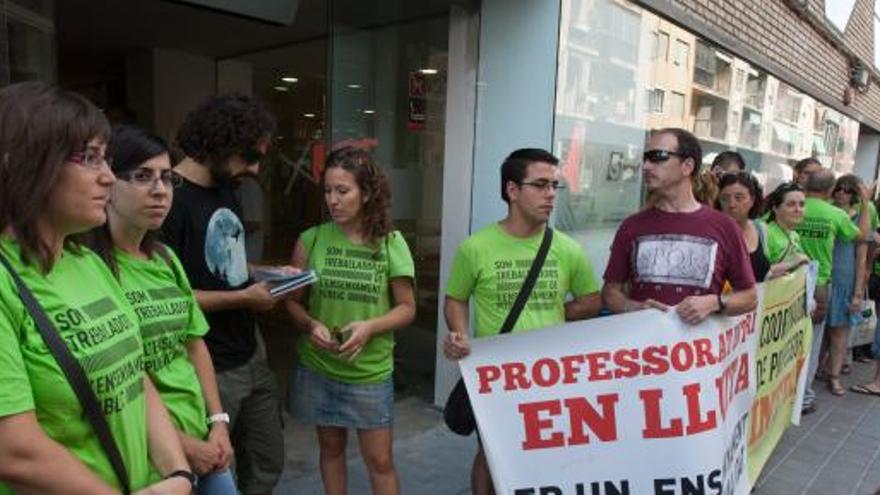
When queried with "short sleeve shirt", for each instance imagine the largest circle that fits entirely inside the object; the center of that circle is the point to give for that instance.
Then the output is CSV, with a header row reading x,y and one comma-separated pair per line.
x,y
353,285
668,256
824,223
169,318
492,265
782,245
90,313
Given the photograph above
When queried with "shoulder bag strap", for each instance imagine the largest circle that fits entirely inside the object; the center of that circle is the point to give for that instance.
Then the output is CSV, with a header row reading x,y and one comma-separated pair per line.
x,y
79,382
529,283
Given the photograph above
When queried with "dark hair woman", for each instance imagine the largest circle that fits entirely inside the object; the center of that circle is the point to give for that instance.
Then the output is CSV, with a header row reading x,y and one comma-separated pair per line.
x,y
364,292
172,325
740,196
785,210
54,183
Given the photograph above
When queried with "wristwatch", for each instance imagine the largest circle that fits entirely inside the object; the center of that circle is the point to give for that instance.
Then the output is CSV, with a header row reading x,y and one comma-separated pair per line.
x,y
219,417
722,305
187,475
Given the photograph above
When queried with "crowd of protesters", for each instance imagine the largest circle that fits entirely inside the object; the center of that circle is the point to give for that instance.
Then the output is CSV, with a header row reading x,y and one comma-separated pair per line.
x,y
130,359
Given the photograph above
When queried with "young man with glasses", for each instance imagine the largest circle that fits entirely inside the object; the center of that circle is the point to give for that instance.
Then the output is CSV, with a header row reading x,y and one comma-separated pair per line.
x,y
678,252
224,140
491,266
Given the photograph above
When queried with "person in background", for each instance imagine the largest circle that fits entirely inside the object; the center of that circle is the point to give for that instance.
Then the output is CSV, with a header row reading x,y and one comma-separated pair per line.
x,y
848,278
785,210
54,184
740,197
727,162
171,323
349,316
224,139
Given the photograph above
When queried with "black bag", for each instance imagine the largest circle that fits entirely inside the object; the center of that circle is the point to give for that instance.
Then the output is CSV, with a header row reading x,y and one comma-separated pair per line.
x,y
79,382
874,287
458,413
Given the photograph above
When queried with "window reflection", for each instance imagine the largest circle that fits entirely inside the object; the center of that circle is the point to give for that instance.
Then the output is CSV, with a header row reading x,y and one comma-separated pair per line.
x,y
624,70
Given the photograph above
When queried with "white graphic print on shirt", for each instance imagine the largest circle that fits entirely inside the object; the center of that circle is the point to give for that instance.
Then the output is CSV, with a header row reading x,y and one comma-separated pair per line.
x,y
675,259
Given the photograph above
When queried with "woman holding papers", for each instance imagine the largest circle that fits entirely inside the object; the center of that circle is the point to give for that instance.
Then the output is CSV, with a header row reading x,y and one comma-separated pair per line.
x,y
364,292
155,284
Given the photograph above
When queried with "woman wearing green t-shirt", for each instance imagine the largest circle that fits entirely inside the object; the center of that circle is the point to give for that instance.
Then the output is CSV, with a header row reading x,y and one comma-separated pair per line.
x,y
54,183
171,323
785,206
364,292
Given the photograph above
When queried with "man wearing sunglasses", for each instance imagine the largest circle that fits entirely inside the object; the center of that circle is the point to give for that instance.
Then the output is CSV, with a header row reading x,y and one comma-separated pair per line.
x,y
490,267
678,252
224,140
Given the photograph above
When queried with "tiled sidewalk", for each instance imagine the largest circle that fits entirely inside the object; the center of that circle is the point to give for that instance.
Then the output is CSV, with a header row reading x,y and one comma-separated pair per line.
x,y
835,451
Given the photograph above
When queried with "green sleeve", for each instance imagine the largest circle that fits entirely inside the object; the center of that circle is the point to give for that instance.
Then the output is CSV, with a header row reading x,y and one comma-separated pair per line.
x,y
308,239
15,388
875,219
400,262
846,229
198,325
583,277
462,277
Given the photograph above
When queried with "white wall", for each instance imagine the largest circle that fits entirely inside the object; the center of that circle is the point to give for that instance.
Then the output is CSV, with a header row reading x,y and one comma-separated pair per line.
x,y
867,152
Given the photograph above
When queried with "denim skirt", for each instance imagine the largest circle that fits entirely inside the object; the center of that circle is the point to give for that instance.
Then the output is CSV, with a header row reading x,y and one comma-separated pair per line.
x,y
323,401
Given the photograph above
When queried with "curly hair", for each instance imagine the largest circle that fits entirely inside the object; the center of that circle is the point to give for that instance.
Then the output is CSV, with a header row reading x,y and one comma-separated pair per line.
x,y
222,126
373,183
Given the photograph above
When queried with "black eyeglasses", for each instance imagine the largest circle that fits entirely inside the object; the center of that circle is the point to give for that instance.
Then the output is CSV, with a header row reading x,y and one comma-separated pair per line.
x,y
544,185
659,156
145,178
251,156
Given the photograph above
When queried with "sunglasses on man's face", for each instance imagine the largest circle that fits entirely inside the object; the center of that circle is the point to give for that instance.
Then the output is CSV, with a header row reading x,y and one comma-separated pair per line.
x,y
659,156
251,156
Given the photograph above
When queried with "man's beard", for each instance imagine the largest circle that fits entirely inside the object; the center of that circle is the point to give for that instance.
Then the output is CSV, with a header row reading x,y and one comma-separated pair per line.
x,y
223,176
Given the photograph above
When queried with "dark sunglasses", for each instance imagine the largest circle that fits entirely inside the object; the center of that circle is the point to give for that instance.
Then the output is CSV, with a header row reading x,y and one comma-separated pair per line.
x,y
251,156
659,156
844,189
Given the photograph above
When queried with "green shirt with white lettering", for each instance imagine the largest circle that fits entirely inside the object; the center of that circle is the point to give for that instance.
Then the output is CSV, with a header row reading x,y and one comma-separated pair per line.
x,y
353,285
822,224
492,265
169,318
90,313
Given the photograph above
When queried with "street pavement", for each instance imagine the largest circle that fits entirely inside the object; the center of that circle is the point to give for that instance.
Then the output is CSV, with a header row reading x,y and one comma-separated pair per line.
x,y
835,451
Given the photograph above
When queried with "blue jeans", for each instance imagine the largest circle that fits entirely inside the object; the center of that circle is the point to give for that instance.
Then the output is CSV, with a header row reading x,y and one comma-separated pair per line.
x,y
220,483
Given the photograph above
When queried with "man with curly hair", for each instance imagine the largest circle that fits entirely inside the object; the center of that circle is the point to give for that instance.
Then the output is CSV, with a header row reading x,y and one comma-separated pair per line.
x,y
224,140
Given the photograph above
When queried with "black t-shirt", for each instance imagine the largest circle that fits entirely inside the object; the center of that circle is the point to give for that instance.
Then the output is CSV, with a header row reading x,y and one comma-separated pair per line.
x,y
205,230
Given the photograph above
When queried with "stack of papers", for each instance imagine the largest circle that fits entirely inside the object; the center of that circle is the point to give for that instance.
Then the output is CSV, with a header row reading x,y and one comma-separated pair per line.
x,y
281,282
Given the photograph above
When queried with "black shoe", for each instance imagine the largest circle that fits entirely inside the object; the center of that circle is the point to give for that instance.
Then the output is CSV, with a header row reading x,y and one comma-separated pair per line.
x,y
808,409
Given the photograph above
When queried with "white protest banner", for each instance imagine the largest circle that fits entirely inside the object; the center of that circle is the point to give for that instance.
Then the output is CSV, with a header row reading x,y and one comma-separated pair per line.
x,y
629,404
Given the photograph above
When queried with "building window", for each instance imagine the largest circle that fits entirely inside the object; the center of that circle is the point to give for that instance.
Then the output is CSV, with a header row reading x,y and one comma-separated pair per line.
x,y
662,51
676,105
680,55
655,100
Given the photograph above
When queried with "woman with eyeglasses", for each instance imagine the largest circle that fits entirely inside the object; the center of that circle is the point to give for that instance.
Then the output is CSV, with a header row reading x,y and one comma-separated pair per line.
x,y
54,184
785,210
363,294
740,197
171,323
848,278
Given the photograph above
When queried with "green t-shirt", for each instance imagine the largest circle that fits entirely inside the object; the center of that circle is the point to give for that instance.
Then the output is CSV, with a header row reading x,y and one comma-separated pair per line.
x,y
169,318
782,246
822,224
491,266
353,285
89,311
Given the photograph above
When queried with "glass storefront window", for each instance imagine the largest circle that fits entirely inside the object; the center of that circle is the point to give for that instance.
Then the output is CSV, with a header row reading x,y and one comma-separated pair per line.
x,y
608,100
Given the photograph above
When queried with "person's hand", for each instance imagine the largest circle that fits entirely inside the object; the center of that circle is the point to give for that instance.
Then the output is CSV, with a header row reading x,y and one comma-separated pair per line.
x,y
288,269
176,485
456,346
320,336
694,309
360,334
258,298
219,438
202,456
855,306
864,193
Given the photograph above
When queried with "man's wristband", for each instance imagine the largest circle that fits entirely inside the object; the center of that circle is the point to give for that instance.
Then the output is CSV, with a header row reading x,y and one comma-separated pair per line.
x,y
187,475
